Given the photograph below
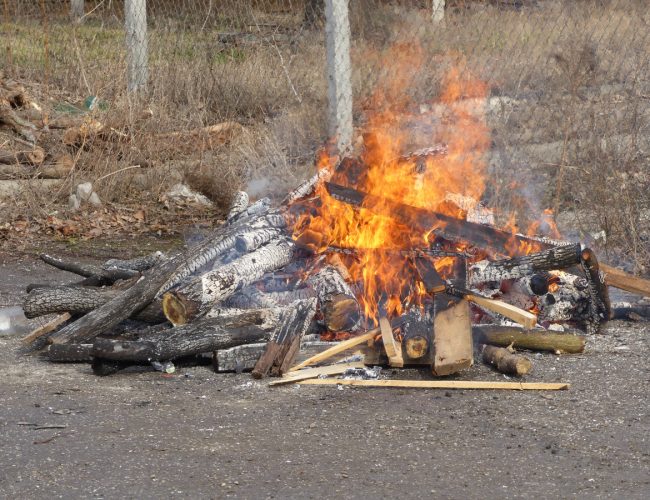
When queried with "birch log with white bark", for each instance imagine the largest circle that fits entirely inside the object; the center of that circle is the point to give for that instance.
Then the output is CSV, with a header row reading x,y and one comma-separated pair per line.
x,y
199,294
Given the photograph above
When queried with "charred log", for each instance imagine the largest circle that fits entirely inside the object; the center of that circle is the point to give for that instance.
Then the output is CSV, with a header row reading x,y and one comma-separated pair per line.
x,y
238,204
336,299
139,264
107,276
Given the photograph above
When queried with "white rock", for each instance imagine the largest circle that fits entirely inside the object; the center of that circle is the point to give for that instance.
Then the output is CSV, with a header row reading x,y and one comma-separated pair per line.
x,y
73,202
84,191
94,200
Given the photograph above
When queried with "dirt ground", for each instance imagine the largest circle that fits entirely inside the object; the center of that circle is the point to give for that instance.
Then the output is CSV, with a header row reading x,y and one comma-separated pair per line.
x,y
198,434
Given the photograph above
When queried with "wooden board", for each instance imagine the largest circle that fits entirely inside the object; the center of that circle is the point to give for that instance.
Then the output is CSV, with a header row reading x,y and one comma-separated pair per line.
x,y
525,318
393,349
343,346
308,373
452,340
442,384
620,279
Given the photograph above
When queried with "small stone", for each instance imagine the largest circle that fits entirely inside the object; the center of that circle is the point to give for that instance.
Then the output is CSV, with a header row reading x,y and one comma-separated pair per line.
x,y
94,200
84,191
73,203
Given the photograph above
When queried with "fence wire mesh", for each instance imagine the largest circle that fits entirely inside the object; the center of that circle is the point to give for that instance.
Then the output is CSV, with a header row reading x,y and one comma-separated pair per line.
x,y
566,87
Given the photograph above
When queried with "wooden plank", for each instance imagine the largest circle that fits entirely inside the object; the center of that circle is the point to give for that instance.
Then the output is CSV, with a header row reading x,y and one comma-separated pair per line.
x,y
452,340
525,318
343,346
46,328
442,384
620,279
308,373
393,349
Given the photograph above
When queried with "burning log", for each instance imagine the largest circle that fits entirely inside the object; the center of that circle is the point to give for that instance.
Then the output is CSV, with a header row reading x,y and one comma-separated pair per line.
x,y
279,350
336,299
535,340
251,241
505,361
205,335
251,297
417,336
478,235
81,300
599,305
525,265
197,295
393,349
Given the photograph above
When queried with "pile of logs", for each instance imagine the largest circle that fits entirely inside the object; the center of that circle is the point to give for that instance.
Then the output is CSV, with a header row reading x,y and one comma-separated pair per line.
x,y
43,143
256,299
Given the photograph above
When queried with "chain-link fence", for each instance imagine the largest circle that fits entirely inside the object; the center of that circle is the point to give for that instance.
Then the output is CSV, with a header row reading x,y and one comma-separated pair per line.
x,y
566,87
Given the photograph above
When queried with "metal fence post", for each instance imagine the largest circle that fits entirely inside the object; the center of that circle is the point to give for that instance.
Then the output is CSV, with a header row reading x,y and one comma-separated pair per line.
x,y
339,82
135,24
76,9
438,11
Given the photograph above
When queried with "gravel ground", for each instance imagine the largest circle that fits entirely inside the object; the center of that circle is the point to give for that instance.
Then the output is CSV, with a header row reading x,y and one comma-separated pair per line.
x,y
66,433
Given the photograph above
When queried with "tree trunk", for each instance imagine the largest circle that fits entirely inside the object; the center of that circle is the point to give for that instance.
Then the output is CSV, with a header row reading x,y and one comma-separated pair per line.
x,y
535,340
81,300
505,361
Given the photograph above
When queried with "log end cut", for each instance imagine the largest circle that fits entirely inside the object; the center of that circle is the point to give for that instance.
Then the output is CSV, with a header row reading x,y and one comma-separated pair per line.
x,y
178,310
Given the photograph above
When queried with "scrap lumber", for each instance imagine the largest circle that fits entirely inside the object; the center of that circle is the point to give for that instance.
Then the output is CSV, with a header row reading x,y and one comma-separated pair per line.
x,y
442,384
555,258
451,228
625,281
391,346
194,297
524,318
307,373
505,361
534,340
47,328
338,348
452,340
81,300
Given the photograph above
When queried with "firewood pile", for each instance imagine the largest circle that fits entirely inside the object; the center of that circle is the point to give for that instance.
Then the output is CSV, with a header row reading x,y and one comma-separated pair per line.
x,y
42,140
265,292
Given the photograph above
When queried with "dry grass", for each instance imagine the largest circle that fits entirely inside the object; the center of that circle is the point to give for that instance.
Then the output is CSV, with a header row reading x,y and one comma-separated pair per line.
x,y
577,72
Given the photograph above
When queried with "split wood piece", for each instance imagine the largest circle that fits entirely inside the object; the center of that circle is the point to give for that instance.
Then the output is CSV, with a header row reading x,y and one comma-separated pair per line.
x,y
535,340
452,330
340,347
336,299
81,300
36,156
46,328
442,384
205,335
308,373
600,305
238,204
279,368
525,265
139,264
221,240
295,322
143,292
524,318
70,353
505,361
391,346
625,281
478,235
89,270
199,294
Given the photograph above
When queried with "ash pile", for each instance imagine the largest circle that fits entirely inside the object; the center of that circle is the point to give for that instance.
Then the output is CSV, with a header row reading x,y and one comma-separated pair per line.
x,y
276,290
